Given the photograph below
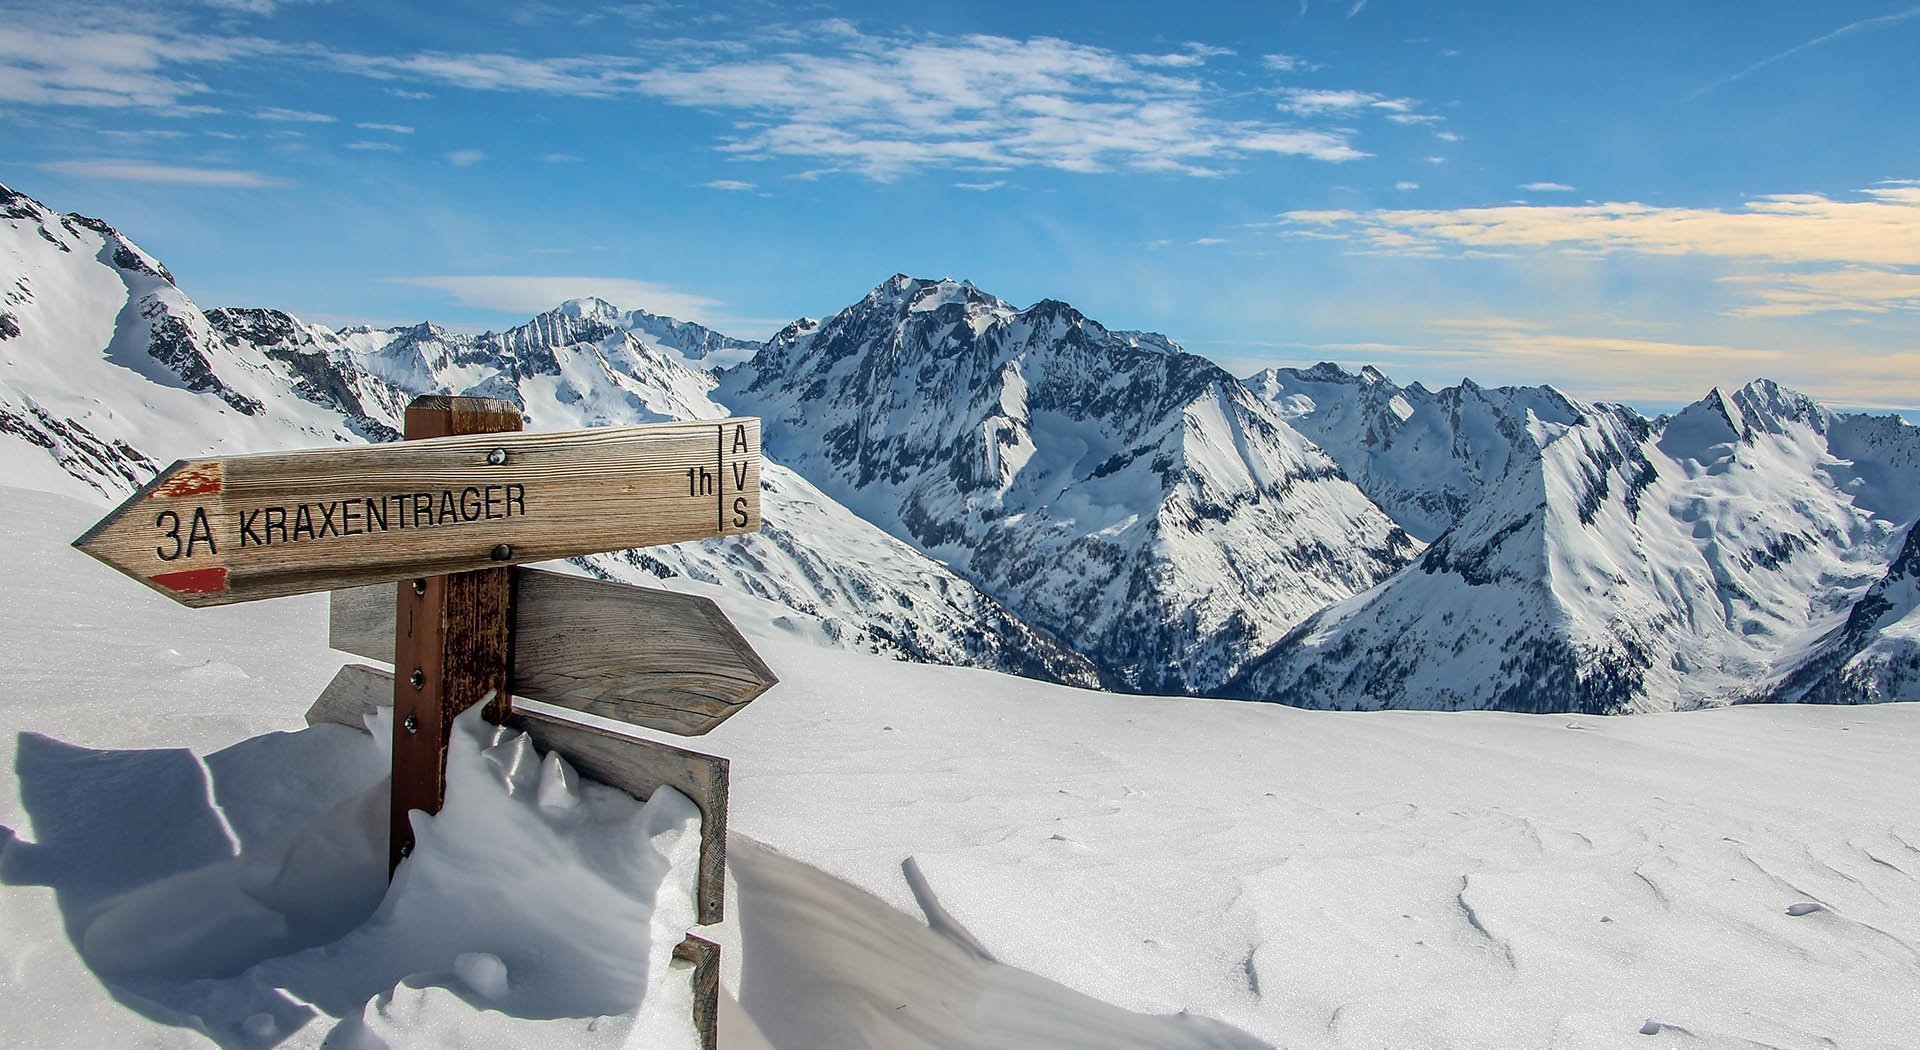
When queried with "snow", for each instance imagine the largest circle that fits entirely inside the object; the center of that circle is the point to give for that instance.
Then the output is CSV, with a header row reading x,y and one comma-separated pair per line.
x,y
1181,873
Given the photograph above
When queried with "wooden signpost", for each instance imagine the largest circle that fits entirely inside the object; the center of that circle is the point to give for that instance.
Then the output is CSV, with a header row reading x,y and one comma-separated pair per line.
x,y
446,515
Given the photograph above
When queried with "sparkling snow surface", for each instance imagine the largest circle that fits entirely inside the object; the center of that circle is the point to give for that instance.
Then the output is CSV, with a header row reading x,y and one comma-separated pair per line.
x,y
1723,878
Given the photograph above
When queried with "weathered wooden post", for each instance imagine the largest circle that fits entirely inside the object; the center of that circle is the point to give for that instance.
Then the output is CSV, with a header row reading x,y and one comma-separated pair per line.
x,y
453,641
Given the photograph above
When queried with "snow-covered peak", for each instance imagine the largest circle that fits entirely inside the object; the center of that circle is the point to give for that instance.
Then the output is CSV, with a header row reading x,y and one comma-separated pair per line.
x,y
589,308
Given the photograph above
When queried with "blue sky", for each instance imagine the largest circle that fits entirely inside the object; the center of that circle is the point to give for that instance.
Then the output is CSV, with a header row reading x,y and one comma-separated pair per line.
x,y
1634,201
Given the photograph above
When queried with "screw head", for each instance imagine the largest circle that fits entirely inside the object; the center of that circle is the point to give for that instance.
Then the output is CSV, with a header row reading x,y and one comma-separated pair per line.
x,y
418,678
412,724
420,586
497,457
501,552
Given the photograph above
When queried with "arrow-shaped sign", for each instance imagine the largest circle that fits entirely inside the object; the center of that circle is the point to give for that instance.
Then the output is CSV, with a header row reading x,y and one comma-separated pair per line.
x,y
217,531
641,656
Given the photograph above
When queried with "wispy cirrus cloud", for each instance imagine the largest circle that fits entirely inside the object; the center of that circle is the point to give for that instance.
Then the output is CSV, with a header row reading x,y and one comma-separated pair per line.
x,y
137,171
397,129
531,294
1860,26
1546,187
293,116
464,158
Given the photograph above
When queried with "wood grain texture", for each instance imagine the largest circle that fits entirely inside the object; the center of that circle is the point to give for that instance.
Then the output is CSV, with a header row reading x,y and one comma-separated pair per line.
x,y
451,641
217,531
702,956
356,692
647,657
638,767
641,767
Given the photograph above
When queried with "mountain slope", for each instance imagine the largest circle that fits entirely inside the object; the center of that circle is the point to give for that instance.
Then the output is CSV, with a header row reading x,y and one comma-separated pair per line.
x,y
108,371
1631,566
1135,499
1424,456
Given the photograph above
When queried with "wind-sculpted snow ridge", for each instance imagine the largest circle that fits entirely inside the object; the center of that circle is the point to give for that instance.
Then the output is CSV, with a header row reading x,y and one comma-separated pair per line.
x,y
1631,566
1134,499
113,372
1424,456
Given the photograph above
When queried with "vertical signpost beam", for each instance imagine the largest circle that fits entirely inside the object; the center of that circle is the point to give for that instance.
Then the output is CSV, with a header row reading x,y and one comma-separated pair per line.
x,y
452,637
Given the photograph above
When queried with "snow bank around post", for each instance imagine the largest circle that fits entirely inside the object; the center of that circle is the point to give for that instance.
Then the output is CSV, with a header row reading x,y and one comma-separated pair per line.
x,y
536,910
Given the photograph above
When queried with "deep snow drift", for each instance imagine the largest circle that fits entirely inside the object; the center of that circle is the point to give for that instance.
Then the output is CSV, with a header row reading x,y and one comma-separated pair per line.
x,y
1294,878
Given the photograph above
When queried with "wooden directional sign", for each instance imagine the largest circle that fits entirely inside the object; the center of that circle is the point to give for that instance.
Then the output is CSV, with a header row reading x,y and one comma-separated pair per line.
x,y
646,657
217,531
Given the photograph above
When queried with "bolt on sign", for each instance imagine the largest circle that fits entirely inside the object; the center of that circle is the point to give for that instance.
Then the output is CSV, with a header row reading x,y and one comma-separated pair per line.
x,y
237,528
446,514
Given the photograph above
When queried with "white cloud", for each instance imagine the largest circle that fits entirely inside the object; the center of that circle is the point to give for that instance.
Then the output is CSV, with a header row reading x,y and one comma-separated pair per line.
x,y
1446,136
981,187
1546,187
79,65
136,171
884,106
465,158
382,147
733,185
1207,242
561,158
1311,101
1282,63
1405,185
519,294
296,116
397,129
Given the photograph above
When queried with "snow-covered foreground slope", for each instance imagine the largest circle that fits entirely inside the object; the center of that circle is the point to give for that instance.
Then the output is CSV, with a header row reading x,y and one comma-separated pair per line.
x,y
1720,878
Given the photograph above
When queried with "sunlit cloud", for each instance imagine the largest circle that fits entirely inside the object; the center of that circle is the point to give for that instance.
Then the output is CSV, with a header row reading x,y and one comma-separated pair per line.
x,y
1546,187
1882,227
731,185
1852,290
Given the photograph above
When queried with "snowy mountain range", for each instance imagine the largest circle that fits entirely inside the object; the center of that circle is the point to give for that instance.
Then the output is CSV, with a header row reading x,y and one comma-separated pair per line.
x,y
1123,493
108,372
953,479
